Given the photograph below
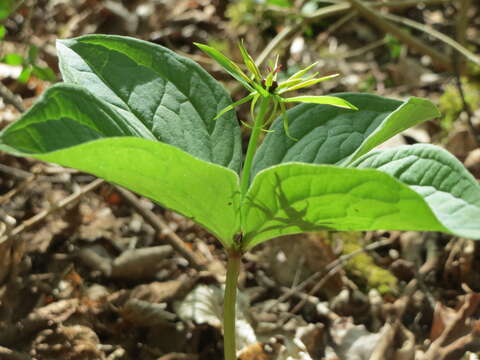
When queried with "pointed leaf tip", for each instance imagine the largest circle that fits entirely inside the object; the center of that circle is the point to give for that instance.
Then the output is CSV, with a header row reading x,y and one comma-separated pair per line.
x,y
324,100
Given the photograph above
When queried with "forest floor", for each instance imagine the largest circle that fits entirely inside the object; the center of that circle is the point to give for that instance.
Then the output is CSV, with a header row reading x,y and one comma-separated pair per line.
x,y
88,271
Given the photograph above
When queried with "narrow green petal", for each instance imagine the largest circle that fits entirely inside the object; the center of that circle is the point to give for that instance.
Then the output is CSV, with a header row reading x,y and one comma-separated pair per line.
x,y
285,120
234,105
302,72
326,100
252,106
229,66
288,83
249,62
309,82
273,114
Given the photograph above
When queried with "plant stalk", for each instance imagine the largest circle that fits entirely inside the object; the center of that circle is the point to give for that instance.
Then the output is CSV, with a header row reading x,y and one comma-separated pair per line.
x,y
235,255
252,144
229,308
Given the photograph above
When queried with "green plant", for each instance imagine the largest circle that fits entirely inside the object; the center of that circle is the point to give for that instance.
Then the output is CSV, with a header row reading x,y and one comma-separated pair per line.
x,y
141,116
29,65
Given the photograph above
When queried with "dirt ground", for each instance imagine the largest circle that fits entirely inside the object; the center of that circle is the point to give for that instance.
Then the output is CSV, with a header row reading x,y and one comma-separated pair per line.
x,y
92,271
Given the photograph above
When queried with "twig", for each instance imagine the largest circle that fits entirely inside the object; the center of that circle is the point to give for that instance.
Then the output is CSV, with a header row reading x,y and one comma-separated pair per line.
x,y
25,175
7,354
437,34
11,98
277,40
162,228
57,206
437,58
336,265
19,173
462,21
7,196
332,10
364,49
402,4
465,105
328,272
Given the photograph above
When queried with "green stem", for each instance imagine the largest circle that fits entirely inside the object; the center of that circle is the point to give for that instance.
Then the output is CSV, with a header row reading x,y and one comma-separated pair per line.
x,y
252,144
235,255
229,301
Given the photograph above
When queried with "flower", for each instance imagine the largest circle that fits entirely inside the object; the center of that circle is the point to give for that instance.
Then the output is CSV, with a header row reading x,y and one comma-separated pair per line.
x,y
268,87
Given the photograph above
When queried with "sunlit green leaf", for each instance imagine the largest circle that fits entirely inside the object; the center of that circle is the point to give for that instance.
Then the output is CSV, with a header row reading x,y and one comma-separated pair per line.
x,y
13,59
73,128
25,74
296,198
325,100
333,135
449,189
159,94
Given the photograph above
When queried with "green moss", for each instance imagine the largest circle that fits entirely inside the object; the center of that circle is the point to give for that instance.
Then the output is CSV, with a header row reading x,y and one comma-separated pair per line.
x,y
362,266
242,12
451,104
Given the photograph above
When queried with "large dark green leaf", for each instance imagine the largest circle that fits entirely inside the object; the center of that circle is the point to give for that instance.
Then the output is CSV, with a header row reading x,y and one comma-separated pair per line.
x,y
331,135
449,189
162,95
71,127
294,198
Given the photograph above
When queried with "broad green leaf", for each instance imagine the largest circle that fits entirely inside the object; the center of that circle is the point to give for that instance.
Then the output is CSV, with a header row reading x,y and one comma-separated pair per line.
x,y
449,189
3,32
325,100
331,135
295,198
71,127
164,96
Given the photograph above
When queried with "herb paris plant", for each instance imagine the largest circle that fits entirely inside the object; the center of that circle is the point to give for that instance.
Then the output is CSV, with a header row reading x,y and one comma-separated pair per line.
x,y
143,117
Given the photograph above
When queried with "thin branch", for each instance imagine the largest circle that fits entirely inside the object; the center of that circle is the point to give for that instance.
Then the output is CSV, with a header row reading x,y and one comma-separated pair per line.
x,y
438,58
437,34
465,105
8,354
327,273
11,98
329,11
336,265
57,206
162,228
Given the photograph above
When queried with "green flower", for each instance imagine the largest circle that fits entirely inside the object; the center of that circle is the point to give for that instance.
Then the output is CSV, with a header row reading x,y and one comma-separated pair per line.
x,y
268,87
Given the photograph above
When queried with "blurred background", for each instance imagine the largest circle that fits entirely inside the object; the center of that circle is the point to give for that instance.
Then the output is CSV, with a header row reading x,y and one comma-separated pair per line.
x,y
371,295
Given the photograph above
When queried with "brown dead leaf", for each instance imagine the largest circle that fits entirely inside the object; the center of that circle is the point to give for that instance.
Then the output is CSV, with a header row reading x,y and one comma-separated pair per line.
x,y
140,263
294,258
158,292
75,342
454,331
472,162
353,342
461,142
268,350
